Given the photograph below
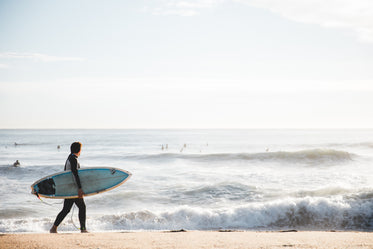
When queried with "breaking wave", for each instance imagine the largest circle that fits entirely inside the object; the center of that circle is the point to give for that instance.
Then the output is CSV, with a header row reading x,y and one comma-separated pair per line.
x,y
305,213
308,213
302,156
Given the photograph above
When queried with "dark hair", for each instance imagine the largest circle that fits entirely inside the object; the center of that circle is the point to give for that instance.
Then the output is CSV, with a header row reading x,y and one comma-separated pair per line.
x,y
75,147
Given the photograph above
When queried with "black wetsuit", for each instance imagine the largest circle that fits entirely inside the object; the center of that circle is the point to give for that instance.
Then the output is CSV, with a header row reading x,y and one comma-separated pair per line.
x,y
73,165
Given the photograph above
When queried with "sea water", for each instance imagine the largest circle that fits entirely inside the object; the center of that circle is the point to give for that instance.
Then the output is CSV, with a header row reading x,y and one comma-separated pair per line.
x,y
197,179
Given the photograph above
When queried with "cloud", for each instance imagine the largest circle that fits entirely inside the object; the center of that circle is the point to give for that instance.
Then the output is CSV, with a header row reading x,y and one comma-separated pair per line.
x,y
183,7
355,15
37,57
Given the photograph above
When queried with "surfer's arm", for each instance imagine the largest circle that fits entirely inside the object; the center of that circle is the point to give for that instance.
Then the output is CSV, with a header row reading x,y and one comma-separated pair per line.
x,y
74,170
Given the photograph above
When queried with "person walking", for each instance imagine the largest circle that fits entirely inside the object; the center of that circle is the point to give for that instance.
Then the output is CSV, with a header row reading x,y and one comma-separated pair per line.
x,y
73,165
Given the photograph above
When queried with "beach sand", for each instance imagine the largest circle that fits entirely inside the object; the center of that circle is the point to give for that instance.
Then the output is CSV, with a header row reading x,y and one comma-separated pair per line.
x,y
190,239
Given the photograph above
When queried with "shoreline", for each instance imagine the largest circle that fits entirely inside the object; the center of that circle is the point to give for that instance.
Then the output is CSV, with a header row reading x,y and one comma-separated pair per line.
x,y
76,231
190,239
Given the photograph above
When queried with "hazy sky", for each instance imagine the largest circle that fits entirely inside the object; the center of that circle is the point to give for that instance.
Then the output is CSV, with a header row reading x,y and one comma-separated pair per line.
x,y
186,64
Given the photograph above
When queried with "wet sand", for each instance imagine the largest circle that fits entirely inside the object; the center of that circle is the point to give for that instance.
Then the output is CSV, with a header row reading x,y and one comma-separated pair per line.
x,y
190,239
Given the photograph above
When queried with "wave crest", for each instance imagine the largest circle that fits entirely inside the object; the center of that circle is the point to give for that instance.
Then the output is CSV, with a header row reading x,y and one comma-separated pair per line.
x,y
307,213
302,156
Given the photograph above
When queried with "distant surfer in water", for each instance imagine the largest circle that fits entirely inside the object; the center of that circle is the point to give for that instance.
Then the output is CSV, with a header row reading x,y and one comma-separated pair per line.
x,y
73,165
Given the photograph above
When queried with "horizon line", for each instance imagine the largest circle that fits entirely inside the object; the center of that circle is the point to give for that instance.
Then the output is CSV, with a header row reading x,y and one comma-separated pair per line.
x,y
194,128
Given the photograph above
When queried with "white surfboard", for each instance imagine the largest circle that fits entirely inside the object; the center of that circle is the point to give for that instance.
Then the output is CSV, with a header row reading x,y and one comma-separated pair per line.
x,y
93,180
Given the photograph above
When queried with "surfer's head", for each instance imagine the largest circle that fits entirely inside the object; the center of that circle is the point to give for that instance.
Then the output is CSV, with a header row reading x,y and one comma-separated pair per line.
x,y
75,147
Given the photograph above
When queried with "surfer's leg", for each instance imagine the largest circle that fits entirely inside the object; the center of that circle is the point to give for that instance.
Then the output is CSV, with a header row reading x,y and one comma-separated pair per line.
x,y
67,204
82,213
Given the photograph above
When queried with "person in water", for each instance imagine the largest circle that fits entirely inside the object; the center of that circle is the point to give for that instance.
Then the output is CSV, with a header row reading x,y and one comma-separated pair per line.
x,y
73,165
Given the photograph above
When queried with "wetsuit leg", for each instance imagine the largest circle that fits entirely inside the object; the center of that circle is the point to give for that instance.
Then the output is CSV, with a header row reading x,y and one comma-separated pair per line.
x,y
82,216
68,203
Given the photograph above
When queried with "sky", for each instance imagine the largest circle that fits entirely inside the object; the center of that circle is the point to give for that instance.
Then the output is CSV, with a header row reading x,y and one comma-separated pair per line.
x,y
162,64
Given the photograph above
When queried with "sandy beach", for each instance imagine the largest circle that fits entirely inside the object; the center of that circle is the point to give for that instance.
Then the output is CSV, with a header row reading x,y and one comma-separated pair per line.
x,y
190,239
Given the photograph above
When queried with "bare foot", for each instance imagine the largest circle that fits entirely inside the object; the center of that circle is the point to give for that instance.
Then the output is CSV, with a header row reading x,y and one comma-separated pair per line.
x,y
84,231
53,229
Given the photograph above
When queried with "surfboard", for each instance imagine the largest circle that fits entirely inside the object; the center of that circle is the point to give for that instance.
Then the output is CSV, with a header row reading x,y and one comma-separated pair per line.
x,y
94,181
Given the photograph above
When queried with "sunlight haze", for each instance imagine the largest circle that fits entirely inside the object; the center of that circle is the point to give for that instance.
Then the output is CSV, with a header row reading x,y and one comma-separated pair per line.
x,y
186,64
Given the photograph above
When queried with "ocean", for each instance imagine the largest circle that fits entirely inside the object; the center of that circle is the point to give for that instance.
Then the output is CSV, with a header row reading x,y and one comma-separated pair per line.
x,y
197,179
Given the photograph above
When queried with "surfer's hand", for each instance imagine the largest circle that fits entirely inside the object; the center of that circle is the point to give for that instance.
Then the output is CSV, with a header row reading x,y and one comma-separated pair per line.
x,y
80,193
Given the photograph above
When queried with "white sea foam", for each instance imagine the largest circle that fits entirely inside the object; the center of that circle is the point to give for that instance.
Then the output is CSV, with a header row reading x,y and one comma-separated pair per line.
x,y
307,213
291,213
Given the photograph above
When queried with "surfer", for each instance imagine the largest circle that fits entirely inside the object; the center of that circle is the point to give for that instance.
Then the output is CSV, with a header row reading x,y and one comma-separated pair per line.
x,y
16,164
73,165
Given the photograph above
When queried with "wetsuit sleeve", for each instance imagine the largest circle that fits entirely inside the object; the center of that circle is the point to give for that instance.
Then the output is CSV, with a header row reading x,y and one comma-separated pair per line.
x,y
74,170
